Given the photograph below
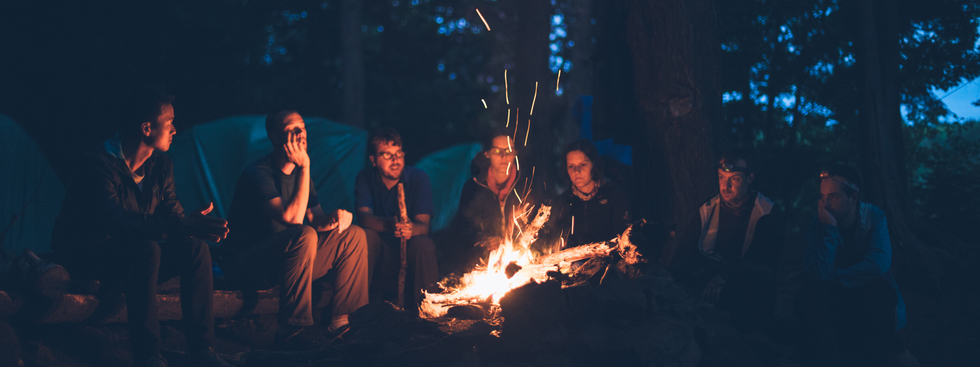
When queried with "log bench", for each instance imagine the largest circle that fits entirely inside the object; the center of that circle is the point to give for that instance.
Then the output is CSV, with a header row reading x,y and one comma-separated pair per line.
x,y
72,308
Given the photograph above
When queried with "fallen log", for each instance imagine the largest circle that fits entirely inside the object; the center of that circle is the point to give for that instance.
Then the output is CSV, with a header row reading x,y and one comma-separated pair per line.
x,y
31,274
70,308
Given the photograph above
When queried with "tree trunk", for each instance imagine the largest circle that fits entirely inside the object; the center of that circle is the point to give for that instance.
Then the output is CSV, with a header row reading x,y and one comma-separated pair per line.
x,y
353,63
882,145
531,65
674,47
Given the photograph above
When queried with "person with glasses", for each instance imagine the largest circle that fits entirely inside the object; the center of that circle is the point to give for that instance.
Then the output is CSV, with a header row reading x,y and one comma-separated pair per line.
x,y
593,209
282,236
487,203
850,305
732,246
376,203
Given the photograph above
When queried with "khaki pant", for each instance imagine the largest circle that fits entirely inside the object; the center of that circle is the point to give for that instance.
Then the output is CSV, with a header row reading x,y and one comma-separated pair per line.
x,y
295,257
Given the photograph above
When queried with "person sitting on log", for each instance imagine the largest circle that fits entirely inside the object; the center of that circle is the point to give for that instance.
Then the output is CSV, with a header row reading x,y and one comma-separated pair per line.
x,y
122,224
487,203
376,202
732,247
282,236
850,305
593,209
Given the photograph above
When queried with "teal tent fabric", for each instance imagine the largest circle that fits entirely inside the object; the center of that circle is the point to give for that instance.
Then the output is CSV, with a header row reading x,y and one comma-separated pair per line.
x,y
448,170
23,166
208,159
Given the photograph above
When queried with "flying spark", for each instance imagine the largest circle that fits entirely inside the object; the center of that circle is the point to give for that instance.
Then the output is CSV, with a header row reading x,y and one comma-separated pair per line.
x,y
484,20
484,103
506,92
558,81
528,133
508,118
518,200
573,226
535,98
518,160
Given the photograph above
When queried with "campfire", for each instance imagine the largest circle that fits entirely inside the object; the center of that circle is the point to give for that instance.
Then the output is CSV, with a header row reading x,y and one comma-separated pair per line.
x,y
513,264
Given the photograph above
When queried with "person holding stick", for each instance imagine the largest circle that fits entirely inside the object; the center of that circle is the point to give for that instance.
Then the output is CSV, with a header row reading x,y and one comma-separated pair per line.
x,y
281,235
377,204
121,223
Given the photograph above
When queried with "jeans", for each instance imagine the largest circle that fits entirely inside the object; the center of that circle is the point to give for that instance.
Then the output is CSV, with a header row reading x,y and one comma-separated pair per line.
x,y
135,268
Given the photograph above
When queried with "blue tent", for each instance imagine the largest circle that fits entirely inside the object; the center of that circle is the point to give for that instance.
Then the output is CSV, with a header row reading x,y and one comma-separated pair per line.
x,y
209,158
24,167
448,170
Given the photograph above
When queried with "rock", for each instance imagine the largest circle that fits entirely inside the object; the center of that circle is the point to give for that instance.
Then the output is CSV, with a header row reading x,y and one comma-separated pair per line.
x,y
466,312
604,336
9,346
665,291
532,310
664,339
725,346
618,297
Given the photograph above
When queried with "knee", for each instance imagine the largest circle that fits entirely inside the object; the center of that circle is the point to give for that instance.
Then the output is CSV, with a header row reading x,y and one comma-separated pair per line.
x,y
200,251
371,236
421,245
304,236
145,250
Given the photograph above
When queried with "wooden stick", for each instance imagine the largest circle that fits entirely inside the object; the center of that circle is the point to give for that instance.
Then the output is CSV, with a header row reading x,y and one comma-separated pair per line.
x,y
403,218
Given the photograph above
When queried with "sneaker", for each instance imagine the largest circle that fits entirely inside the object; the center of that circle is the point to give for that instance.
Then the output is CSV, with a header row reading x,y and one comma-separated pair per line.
x,y
209,358
294,338
337,336
156,361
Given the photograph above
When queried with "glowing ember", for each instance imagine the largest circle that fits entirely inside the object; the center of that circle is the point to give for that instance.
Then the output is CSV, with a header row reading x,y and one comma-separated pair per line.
x,y
558,82
484,103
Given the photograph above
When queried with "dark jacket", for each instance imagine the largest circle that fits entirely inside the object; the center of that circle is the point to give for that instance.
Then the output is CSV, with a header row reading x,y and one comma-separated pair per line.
x,y
480,215
103,202
765,248
602,218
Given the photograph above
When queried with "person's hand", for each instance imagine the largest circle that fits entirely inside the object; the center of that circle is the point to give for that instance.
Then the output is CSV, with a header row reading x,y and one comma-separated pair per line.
x,y
200,225
342,219
403,230
712,291
489,243
295,149
824,216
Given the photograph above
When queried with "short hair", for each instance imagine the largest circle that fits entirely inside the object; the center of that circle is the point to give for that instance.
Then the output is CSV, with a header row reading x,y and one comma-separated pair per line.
x,y
142,104
488,142
273,120
386,134
585,146
733,156
849,173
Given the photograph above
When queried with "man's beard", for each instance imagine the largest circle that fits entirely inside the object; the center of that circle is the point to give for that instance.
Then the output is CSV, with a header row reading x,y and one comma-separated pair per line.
x,y
392,176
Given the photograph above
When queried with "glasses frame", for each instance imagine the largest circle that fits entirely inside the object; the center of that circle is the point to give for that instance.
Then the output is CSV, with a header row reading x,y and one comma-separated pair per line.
x,y
509,152
389,156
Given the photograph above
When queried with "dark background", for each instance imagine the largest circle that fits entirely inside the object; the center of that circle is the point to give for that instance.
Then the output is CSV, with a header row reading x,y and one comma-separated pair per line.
x,y
787,72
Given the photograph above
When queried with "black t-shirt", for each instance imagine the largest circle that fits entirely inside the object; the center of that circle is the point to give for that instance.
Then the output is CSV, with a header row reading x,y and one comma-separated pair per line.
x,y
260,182
732,225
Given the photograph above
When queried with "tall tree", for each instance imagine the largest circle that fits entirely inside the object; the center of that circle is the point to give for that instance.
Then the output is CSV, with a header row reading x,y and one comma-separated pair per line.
x,y
673,47
882,146
353,62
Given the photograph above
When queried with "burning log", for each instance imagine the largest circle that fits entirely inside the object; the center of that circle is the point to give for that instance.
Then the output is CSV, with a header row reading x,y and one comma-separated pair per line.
x,y
487,285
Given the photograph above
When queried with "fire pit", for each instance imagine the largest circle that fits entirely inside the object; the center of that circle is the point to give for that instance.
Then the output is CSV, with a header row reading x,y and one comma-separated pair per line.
x,y
513,265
